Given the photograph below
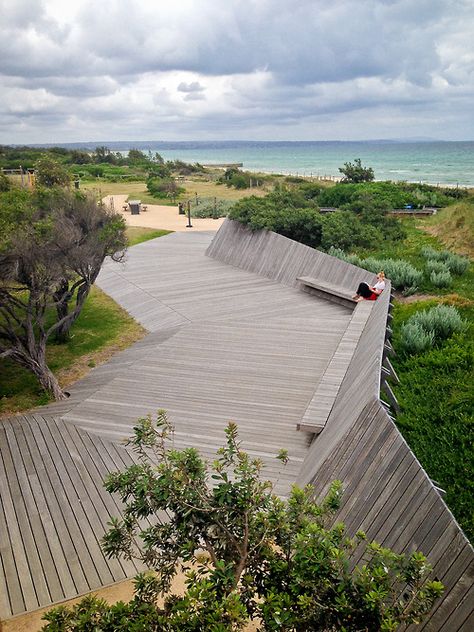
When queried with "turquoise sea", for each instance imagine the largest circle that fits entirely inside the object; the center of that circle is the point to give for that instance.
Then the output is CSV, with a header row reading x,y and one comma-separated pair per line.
x,y
433,162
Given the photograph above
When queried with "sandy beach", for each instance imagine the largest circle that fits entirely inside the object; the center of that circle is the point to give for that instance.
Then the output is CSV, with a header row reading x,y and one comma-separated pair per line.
x,y
162,217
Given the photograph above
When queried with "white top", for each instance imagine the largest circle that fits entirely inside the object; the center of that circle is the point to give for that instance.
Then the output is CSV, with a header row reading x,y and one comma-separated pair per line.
x,y
379,286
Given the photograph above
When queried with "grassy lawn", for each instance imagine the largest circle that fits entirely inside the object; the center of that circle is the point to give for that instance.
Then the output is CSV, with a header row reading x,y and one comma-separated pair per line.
x,y
454,227
203,188
102,329
436,396
138,234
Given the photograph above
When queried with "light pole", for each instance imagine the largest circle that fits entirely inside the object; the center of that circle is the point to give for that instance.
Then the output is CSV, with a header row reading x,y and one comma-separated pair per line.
x,y
189,225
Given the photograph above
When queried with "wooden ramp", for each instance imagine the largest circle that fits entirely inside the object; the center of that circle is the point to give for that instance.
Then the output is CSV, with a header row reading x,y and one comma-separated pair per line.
x,y
54,512
232,337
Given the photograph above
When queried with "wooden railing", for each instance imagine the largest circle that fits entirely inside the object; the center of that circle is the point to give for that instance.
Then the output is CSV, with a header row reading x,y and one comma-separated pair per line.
x,y
387,492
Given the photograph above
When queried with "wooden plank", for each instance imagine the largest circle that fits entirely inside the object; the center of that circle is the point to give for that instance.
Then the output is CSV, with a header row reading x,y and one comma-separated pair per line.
x,y
36,520
20,537
67,508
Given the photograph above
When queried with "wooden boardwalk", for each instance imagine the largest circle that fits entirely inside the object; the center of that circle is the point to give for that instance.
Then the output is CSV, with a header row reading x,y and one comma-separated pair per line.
x,y
224,344
232,337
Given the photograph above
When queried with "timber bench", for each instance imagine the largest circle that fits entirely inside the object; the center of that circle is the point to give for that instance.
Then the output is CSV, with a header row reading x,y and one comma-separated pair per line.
x,y
328,291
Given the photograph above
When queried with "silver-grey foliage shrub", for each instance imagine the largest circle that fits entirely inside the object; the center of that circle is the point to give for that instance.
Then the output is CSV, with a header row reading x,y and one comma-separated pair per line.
x,y
424,328
441,279
340,254
401,273
455,263
415,339
430,253
208,207
433,265
442,320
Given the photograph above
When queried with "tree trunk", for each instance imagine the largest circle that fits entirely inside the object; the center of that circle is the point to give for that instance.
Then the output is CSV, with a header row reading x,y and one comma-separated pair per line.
x,y
36,363
61,334
48,381
62,298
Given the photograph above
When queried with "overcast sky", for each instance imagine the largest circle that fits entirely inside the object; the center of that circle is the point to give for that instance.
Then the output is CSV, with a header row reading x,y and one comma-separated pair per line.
x,y
235,69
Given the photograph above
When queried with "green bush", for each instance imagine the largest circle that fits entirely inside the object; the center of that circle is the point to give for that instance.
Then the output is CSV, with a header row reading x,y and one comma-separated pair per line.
x,y
454,263
441,279
414,338
401,273
442,320
433,265
208,207
457,264
340,254
344,229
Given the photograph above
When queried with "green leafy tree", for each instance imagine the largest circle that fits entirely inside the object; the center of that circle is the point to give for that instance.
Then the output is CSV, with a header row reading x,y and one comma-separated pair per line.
x,y
52,246
246,553
354,172
50,173
5,184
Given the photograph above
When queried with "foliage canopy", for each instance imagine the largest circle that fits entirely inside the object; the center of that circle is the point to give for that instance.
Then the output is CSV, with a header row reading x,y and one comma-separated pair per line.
x,y
246,553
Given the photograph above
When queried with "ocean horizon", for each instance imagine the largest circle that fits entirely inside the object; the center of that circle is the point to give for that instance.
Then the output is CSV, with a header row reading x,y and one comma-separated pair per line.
x,y
433,162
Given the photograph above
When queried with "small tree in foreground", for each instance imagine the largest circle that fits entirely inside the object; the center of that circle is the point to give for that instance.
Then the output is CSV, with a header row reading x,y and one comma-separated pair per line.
x,y
246,553
355,172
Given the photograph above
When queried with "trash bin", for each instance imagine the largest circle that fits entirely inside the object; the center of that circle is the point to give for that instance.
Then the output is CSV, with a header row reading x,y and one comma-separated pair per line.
x,y
134,206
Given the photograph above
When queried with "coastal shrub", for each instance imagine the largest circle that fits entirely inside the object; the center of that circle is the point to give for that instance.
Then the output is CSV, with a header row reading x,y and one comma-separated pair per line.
x,y
343,229
340,254
212,208
276,212
163,187
401,273
433,265
456,264
414,338
441,279
442,320
429,253
388,195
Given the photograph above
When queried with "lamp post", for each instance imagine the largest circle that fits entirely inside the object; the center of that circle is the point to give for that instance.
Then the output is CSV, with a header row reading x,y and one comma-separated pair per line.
x,y
189,225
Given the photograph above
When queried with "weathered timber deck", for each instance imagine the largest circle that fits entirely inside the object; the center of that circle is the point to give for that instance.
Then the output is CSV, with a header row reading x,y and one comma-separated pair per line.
x,y
232,337
243,348
224,344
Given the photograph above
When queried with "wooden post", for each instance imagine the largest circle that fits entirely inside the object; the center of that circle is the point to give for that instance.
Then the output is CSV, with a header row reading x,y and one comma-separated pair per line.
x,y
189,225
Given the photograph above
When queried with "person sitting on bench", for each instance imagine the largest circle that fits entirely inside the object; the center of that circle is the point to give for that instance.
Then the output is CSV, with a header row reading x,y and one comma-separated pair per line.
x,y
369,292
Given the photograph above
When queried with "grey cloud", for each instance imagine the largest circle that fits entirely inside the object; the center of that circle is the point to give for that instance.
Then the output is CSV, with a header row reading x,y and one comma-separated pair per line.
x,y
195,96
193,86
278,63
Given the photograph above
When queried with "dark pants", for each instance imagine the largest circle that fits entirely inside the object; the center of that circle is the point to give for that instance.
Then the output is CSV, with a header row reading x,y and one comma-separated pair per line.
x,y
364,290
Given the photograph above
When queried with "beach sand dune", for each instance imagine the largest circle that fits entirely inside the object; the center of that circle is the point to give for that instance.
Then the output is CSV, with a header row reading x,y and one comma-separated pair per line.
x,y
162,217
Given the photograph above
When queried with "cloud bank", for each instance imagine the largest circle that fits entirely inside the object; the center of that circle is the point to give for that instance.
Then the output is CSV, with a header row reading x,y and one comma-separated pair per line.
x,y
243,69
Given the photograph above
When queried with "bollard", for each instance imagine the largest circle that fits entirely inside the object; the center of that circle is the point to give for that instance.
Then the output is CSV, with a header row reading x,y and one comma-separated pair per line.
x,y
189,225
